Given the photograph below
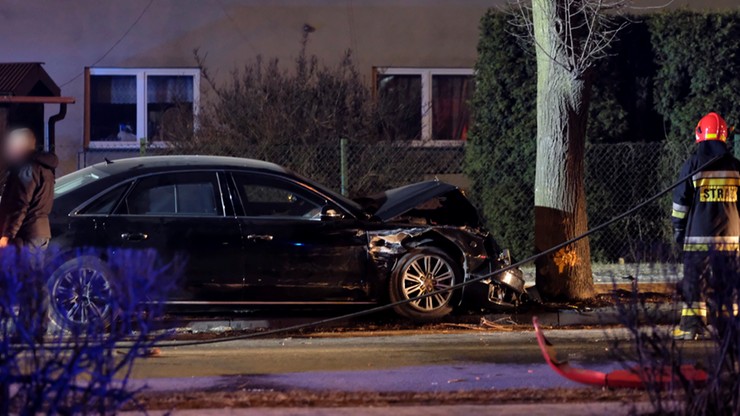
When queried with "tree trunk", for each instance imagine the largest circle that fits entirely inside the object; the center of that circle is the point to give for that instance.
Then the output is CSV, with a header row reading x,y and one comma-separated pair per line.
x,y
560,199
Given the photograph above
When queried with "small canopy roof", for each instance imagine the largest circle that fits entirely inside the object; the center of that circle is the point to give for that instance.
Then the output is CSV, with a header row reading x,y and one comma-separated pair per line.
x,y
27,83
26,79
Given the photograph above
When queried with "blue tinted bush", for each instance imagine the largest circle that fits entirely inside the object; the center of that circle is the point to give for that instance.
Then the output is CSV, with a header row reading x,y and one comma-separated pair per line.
x,y
56,366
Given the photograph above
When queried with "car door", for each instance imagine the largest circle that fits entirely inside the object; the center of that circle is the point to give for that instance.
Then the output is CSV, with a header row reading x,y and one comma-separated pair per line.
x,y
182,216
292,254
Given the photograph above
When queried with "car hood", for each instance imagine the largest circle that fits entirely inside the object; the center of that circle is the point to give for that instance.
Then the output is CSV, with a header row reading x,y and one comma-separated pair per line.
x,y
439,202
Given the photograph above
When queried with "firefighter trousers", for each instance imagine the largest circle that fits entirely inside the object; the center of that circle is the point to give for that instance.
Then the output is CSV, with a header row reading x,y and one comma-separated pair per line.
x,y
714,278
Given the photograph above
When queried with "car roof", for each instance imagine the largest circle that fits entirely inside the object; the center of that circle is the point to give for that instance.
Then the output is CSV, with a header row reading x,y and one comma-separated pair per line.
x,y
190,161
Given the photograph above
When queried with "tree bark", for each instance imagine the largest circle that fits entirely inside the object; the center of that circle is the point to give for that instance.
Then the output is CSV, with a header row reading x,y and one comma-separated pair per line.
x,y
560,199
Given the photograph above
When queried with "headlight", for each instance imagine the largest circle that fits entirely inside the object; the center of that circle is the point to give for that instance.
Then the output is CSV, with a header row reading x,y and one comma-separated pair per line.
x,y
505,257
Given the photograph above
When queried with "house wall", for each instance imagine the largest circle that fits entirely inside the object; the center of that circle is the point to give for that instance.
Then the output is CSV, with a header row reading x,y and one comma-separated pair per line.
x,y
72,34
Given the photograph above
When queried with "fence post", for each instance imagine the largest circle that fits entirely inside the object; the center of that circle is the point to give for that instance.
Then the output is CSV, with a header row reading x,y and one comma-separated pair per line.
x,y
343,165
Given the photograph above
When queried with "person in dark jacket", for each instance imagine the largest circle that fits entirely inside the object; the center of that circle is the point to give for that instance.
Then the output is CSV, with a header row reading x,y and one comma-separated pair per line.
x,y
706,221
28,195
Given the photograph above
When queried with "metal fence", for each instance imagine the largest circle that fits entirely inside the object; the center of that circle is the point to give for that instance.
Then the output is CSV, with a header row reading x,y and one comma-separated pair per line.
x,y
369,168
618,177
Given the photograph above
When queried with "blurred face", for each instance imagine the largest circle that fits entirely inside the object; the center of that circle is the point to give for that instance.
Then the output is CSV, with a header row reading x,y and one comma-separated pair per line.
x,y
18,145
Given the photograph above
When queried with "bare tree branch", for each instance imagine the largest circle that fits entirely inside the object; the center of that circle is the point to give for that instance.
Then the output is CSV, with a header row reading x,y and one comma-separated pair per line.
x,y
584,30
522,19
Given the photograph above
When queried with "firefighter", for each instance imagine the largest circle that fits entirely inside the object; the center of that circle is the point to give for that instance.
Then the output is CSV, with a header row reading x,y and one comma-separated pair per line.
x,y
705,220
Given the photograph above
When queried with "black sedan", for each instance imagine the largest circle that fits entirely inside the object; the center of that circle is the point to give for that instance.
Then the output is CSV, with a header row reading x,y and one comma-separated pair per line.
x,y
255,234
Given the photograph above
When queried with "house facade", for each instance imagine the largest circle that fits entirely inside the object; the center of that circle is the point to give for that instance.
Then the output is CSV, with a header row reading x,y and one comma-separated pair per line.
x,y
127,64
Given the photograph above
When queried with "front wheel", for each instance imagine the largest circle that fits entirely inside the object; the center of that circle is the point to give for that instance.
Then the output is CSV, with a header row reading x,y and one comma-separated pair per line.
x,y
80,294
422,271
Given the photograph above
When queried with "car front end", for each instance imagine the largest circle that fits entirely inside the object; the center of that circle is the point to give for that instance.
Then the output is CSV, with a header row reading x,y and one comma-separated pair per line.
x,y
439,214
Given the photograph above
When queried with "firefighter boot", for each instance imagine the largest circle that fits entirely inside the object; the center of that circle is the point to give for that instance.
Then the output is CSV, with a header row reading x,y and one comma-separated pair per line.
x,y
690,328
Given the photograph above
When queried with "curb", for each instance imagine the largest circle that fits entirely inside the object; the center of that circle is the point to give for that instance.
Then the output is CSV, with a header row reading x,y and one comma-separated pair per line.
x,y
655,314
663,288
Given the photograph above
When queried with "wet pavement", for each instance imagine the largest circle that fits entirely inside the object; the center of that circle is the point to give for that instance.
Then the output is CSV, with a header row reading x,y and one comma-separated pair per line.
x,y
425,379
418,379
475,360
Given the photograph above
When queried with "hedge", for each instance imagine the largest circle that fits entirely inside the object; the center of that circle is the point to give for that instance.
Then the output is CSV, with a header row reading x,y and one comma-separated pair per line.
x,y
664,72
501,149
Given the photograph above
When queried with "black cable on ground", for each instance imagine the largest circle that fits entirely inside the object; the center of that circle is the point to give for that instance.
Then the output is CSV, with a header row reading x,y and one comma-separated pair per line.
x,y
453,287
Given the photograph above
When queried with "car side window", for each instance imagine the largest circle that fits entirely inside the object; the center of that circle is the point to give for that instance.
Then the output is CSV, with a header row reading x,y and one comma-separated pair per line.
x,y
271,196
187,193
106,203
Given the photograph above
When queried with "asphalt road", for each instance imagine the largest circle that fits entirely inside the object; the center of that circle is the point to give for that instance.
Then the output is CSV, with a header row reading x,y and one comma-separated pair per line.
x,y
394,361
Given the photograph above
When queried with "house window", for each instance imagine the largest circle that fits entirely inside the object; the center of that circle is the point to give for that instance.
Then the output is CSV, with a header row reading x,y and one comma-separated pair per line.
x,y
125,105
426,105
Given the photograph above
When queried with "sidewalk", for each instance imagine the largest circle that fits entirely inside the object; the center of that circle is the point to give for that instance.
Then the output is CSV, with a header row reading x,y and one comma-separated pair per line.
x,y
657,314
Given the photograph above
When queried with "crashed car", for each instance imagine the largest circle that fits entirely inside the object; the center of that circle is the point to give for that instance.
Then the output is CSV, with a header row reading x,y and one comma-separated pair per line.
x,y
255,234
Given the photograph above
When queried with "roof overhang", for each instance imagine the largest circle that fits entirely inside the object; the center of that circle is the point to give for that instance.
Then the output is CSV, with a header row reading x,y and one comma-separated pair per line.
x,y
26,78
22,99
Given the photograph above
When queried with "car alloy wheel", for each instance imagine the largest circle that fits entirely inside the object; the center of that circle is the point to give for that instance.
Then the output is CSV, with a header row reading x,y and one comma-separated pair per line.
x,y
81,295
424,275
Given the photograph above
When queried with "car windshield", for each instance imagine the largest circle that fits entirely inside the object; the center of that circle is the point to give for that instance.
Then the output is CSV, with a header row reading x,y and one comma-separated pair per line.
x,y
76,180
346,202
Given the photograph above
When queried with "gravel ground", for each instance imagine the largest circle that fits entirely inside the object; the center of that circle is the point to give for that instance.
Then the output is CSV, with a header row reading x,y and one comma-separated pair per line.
x,y
312,399
539,409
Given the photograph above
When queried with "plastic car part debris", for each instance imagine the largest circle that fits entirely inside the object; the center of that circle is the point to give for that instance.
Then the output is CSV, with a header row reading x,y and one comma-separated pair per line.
x,y
634,378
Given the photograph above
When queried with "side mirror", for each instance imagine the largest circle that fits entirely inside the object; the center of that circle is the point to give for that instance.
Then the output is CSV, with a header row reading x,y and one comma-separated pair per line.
x,y
329,213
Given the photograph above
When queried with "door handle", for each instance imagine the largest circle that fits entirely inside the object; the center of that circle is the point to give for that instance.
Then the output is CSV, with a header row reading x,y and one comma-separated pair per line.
x,y
135,237
262,237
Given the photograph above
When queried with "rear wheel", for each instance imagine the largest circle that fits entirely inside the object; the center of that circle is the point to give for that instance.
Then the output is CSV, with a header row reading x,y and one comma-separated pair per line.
x,y
80,294
422,271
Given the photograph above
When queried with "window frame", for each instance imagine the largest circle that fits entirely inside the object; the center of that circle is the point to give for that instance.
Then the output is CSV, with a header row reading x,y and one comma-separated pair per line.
x,y
130,185
240,206
426,104
141,75
81,210
220,204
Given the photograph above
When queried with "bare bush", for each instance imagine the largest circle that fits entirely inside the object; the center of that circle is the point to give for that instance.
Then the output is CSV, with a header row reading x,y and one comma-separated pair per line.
x,y
265,105
668,367
76,366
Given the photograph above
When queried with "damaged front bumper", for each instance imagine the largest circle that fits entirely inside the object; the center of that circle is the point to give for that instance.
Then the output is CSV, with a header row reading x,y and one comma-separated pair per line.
x,y
502,290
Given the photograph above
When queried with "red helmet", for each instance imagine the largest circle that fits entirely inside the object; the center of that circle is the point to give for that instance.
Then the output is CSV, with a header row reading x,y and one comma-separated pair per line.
x,y
711,127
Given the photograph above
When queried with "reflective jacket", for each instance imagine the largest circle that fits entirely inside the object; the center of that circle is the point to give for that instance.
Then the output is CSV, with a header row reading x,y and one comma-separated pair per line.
x,y
706,206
